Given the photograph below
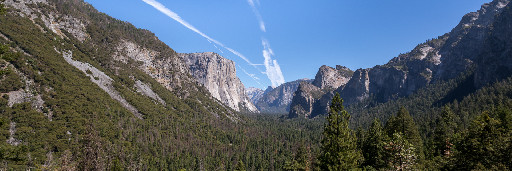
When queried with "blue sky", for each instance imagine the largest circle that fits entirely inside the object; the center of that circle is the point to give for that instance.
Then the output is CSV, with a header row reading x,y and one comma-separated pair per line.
x,y
300,36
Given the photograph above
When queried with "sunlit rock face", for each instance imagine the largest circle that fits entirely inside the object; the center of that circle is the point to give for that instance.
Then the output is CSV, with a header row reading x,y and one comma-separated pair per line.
x,y
479,43
218,75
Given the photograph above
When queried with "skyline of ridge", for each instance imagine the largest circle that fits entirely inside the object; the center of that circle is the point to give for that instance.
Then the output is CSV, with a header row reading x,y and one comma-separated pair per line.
x,y
327,35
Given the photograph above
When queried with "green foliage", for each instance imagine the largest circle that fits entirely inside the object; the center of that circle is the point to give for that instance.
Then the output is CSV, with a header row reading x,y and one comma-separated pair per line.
x,y
404,124
81,127
429,108
486,144
240,166
444,130
400,153
2,9
339,144
301,161
373,146
9,81
4,49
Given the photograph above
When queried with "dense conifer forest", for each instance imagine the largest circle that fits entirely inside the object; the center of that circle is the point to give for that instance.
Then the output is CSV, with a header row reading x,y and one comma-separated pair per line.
x,y
450,125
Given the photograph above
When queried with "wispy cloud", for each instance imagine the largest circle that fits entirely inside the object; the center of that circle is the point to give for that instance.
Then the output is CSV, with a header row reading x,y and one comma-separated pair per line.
x,y
257,13
273,70
253,76
215,46
157,5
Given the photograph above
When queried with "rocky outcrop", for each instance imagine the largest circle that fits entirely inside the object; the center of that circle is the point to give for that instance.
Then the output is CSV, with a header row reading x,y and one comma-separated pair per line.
x,y
102,80
218,75
357,88
304,100
168,68
332,78
481,40
147,91
466,41
495,62
277,100
128,47
55,22
312,99
254,94
12,131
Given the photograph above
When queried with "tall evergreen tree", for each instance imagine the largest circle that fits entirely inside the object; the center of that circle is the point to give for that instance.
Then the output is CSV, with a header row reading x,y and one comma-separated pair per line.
x,y
373,146
445,128
400,154
404,124
485,145
339,144
301,161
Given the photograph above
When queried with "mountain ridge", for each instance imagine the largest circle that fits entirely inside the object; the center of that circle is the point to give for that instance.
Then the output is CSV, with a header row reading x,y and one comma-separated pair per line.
x,y
277,100
435,60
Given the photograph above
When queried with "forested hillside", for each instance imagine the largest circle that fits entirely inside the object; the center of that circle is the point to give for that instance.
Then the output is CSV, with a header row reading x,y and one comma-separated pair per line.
x,y
80,90
67,89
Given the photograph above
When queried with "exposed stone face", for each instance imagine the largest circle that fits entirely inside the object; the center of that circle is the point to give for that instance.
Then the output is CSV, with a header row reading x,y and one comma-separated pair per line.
x,y
55,22
358,88
147,91
254,94
321,106
465,41
313,99
218,75
102,80
481,40
495,63
304,100
135,50
277,100
169,70
331,78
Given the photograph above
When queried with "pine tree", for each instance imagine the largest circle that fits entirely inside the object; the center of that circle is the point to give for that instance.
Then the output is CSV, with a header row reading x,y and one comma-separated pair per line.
x,y
373,146
400,154
339,144
301,160
240,166
483,145
404,124
445,128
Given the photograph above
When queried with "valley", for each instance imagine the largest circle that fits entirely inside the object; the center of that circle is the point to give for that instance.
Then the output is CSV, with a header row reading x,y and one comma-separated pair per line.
x,y
80,90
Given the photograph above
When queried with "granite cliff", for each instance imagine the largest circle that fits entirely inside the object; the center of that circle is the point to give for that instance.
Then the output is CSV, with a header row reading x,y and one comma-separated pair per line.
x,y
312,98
254,93
218,75
277,100
477,44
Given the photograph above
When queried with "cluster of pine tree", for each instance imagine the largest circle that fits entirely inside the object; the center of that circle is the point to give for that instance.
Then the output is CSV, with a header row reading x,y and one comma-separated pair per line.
x,y
398,145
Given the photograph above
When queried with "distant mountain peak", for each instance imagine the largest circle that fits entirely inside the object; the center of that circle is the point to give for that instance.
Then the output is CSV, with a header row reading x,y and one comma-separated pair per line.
x,y
461,50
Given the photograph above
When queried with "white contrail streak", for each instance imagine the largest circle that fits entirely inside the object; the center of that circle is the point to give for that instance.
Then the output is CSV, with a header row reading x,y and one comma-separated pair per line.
x,y
250,75
215,46
273,70
176,17
258,15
